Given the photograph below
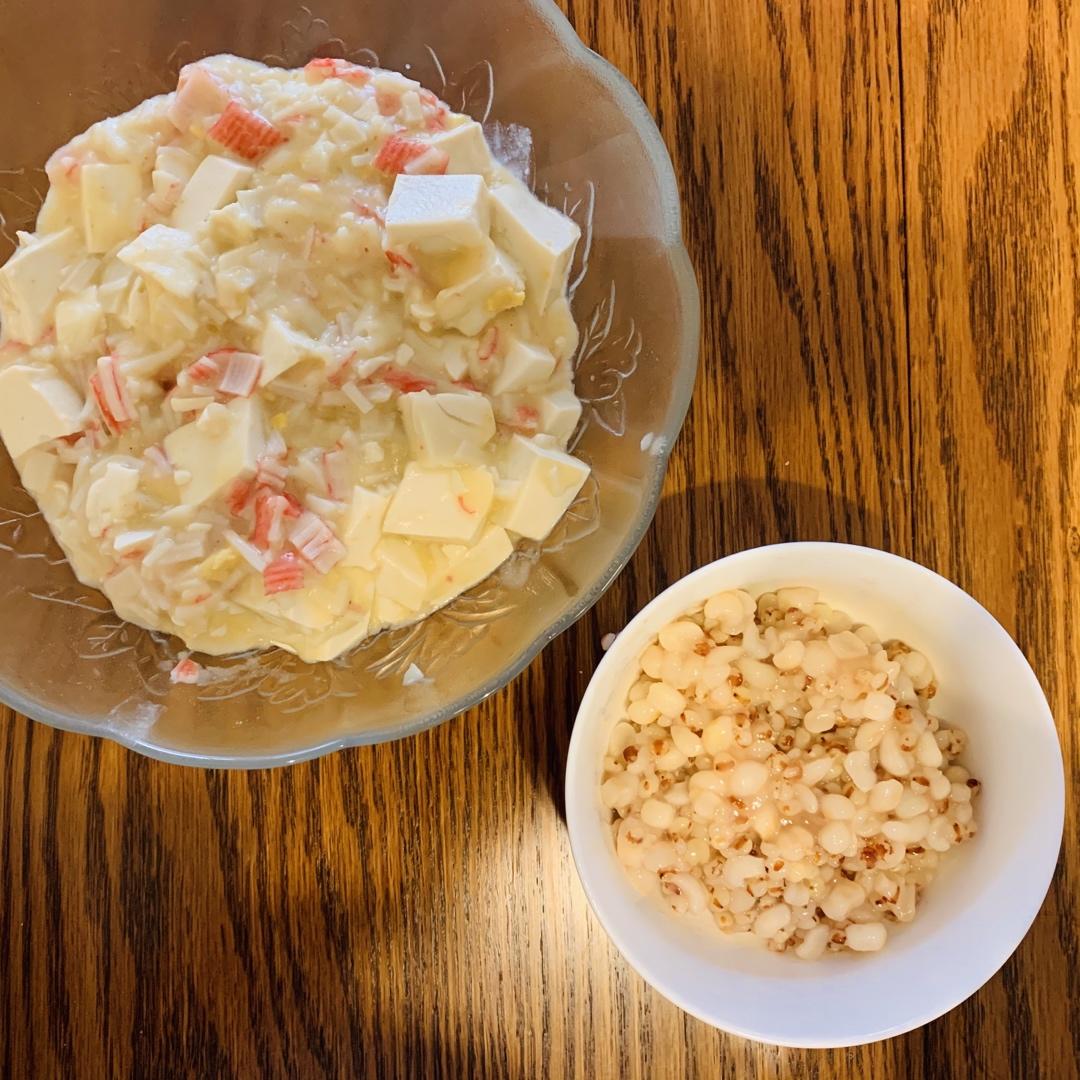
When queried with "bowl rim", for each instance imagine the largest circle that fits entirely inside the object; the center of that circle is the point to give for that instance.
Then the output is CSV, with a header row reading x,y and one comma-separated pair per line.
x,y
580,810
685,372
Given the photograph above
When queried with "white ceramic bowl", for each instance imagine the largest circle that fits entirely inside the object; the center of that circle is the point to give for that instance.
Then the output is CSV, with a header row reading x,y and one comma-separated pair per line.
x,y
972,916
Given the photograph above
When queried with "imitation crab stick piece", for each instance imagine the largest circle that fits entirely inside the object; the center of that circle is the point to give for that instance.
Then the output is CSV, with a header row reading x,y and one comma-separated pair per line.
x,y
403,381
435,112
336,472
327,67
399,261
242,372
240,495
245,133
400,154
187,671
110,393
271,473
316,542
204,370
198,94
489,344
284,574
270,510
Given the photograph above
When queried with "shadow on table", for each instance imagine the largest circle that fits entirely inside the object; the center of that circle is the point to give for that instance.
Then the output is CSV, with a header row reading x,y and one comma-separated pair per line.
x,y
691,529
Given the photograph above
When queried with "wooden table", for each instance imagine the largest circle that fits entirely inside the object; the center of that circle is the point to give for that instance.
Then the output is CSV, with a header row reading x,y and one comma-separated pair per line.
x,y
882,203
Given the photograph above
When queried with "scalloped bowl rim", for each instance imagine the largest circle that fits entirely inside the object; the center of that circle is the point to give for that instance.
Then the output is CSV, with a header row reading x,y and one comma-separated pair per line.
x,y
635,109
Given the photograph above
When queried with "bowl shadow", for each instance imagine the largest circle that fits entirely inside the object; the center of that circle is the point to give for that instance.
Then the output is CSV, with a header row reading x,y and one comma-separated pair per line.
x,y
691,529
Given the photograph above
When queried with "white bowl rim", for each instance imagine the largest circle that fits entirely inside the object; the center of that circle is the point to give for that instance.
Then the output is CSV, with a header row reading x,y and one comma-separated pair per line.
x,y
581,815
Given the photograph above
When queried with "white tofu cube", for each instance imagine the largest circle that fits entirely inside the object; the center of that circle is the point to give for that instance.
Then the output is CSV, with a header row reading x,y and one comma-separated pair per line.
x,y
540,239
214,184
80,325
110,499
173,167
401,578
112,204
448,505
523,366
547,483
468,566
444,428
211,452
29,281
389,612
438,214
335,642
363,527
39,470
467,149
282,348
36,407
44,476
472,303
560,412
169,258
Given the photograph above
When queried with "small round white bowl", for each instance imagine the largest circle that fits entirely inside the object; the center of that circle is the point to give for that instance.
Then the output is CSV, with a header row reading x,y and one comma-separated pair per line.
x,y
975,912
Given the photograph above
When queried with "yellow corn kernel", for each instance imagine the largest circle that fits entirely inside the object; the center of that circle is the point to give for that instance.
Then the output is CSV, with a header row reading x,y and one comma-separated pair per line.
x,y
218,566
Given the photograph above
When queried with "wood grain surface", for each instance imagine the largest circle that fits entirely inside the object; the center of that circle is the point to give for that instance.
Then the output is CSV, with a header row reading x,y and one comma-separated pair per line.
x,y
882,204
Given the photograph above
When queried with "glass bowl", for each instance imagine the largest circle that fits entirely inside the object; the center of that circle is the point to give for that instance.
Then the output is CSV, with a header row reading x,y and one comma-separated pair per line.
x,y
592,148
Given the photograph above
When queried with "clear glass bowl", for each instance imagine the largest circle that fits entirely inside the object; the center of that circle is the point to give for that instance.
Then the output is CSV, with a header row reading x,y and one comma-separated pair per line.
x,y
592,147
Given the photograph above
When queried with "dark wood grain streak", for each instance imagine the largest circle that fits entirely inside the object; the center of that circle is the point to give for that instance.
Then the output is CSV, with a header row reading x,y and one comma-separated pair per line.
x,y
881,201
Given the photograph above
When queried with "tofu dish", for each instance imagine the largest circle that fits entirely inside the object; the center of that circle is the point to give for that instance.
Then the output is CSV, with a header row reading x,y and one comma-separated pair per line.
x,y
289,357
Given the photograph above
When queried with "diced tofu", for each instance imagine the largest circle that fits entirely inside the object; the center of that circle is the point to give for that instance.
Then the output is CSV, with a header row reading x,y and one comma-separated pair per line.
x,y
473,302
523,366
173,167
281,348
213,185
62,208
438,214
80,324
126,591
467,149
389,612
44,476
29,281
468,566
322,601
540,239
560,412
112,204
336,642
110,499
39,470
448,505
361,588
168,257
444,428
213,451
36,407
547,483
401,576
363,527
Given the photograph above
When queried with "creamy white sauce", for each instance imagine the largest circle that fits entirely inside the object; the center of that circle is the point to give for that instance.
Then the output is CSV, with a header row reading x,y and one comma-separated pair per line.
x,y
287,359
